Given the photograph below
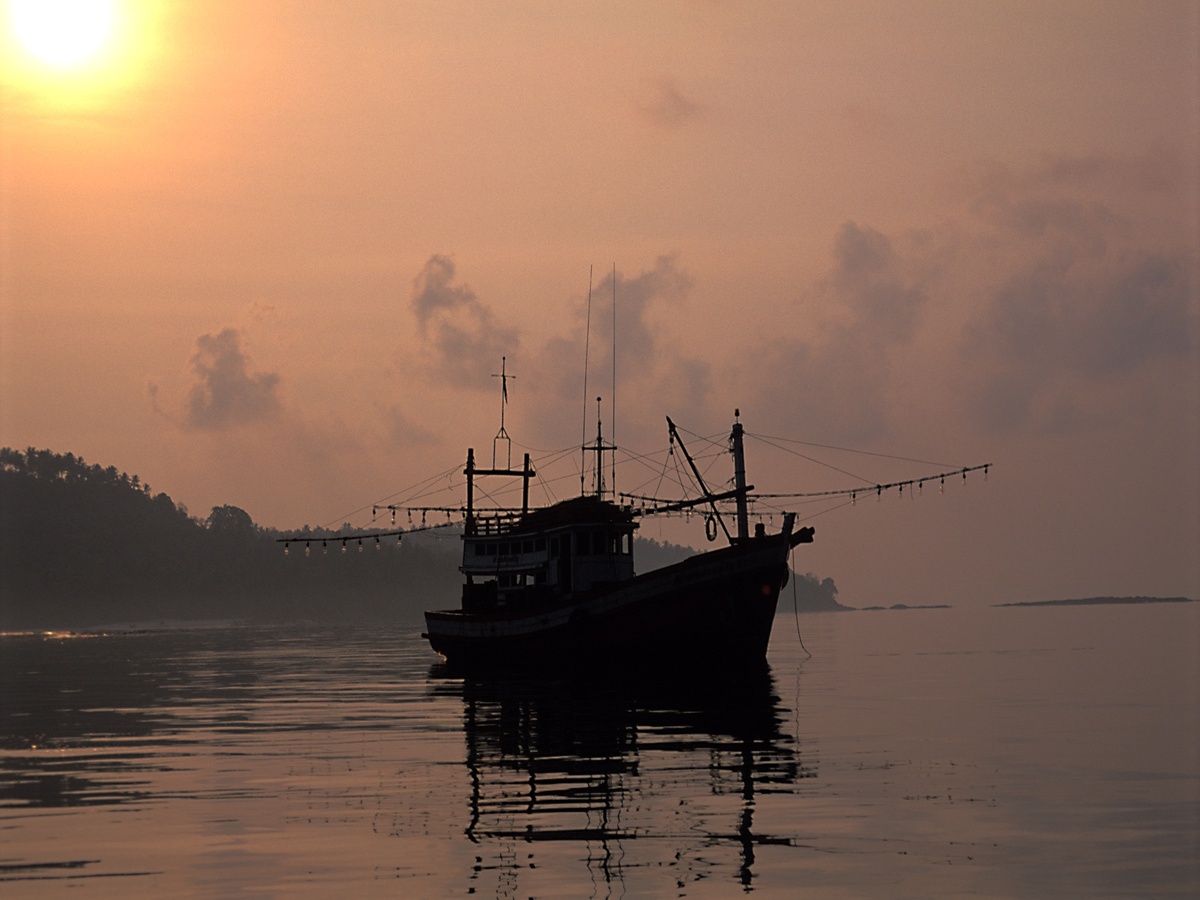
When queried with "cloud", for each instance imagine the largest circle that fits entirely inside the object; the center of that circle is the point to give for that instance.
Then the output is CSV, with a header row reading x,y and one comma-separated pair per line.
x,y
1052,336
637,298
867,281
651,318
460,330
1100,320
664,104
228,391
837,379
1081,307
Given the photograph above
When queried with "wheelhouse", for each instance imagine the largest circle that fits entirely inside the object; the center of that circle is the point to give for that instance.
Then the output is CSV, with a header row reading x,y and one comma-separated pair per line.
x,y
546,555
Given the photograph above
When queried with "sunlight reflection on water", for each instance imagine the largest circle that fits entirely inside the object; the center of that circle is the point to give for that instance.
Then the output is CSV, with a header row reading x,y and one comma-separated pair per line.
x,y
1001,752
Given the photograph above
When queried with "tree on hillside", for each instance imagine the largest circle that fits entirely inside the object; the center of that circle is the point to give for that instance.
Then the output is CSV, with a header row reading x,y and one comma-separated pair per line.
x,y
230,520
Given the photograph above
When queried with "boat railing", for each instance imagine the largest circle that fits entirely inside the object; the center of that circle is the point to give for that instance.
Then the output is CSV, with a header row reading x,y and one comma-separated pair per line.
x,y
495,526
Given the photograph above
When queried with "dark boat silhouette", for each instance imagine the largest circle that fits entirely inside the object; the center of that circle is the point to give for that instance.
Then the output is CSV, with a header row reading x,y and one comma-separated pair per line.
x,y
557,586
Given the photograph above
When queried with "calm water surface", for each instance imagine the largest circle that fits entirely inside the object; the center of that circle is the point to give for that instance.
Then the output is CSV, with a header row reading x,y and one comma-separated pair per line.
x,y
998,752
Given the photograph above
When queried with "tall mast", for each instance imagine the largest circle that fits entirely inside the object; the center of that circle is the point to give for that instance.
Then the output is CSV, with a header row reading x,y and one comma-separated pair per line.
x,y
739,477
599,451
599,448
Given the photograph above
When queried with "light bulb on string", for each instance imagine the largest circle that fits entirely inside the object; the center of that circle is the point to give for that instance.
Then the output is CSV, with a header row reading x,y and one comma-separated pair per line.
x,y
324,548
942,485
285,548
393,517
378,546
343,546
307,550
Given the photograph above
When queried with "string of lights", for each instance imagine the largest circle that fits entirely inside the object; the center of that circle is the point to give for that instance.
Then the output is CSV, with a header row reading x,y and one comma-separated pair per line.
x,y
668,472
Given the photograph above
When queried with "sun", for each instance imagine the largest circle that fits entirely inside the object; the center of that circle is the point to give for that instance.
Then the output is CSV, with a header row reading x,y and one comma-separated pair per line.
x,y
63,33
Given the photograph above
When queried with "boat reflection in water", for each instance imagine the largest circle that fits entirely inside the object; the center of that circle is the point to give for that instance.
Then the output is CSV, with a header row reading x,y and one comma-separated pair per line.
x,y
624,772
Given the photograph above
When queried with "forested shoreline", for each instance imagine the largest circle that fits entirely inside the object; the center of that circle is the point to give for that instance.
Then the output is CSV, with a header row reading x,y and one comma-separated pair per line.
x,y
82,545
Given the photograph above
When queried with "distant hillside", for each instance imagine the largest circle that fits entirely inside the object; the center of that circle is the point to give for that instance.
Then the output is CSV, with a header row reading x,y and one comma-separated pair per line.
x,y
651,554
813,594
82,545
1099,601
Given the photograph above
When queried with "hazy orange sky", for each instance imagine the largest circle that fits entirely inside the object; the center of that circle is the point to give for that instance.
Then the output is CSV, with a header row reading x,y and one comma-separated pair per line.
x,y
269,254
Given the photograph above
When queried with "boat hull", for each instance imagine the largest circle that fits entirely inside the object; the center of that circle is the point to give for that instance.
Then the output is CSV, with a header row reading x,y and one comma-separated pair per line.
x,y
714,608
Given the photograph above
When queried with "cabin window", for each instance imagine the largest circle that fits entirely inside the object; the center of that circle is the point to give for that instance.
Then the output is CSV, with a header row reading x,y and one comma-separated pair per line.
x,y
594,543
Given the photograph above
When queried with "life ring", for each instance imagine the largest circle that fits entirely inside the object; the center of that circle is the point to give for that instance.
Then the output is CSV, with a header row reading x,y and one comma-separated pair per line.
x,y
710,528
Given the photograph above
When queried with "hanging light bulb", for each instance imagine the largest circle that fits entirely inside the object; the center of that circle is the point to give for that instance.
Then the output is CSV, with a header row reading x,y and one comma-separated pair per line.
x,y
378,546
285,548
307,550
942,486
985,468
360,545
343,546
393,516
324,548
921,487
854,498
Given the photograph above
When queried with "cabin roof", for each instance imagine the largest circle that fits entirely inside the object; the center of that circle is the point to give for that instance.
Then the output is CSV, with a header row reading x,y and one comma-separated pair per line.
x,y
588,510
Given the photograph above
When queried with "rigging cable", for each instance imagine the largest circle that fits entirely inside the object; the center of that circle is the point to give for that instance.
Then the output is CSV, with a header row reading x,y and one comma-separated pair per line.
x,y
796,602
924,462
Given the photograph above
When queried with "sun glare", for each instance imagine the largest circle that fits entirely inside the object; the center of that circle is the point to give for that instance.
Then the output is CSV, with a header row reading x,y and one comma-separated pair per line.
x,y
63,33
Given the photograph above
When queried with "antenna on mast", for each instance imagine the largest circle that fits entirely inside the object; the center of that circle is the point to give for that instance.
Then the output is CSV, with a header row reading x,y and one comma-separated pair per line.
x,y
613,400
587,340
502,434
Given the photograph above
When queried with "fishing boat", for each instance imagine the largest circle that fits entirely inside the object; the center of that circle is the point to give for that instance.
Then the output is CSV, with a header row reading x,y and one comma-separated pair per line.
x,y
558,586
